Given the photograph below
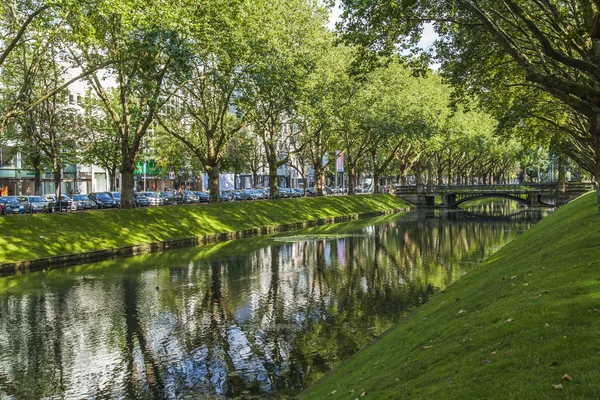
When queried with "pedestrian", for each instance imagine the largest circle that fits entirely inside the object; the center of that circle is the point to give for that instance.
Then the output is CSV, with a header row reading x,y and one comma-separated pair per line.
x,y
28,191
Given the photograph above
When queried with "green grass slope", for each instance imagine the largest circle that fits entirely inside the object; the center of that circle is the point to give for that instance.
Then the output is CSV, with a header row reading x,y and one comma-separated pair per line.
x,y
26,237
510,329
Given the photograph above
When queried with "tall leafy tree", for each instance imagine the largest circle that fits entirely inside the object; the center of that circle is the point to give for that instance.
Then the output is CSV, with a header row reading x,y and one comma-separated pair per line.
x,y
29,30
149,41
286,53
207,113
100,142
326,91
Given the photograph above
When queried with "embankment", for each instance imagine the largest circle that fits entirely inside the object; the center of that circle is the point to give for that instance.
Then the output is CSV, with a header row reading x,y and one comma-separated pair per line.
x,y
522,325
39,241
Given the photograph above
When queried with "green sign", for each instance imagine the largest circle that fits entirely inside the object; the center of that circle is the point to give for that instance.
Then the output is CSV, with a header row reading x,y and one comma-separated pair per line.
x,y
151,169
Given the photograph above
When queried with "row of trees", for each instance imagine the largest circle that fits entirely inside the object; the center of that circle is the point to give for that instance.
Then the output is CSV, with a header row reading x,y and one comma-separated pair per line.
x,y
237,84
535,65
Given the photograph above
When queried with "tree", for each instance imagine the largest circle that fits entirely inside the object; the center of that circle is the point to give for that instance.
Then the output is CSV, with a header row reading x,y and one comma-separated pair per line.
x,y
100,142
207,114
408,109
48,132
28,32
488,45
153,59
323,95
285,55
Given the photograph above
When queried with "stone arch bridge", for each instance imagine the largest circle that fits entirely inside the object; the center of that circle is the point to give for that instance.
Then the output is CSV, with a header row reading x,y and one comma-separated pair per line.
x,y
531,194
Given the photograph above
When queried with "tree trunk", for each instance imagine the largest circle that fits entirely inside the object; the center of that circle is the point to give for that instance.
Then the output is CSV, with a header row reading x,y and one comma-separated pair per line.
x,y
418,174
561,183
429,175
127,169
37,181
273,184
404,178
351,182
376,185
57,168
596,139
213,183
319,177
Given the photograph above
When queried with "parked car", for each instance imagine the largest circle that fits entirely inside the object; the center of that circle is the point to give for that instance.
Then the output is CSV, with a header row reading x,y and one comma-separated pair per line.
x,y
169,197
103,199
154,199
311,192
236,195
54,205
141,200
203,197
117,197
263,193
225,196
34,204
11,205
250,194
82,202
189,197
285,193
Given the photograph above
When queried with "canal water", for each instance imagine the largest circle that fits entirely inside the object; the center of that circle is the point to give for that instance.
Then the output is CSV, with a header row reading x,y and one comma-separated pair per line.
x,y
258,317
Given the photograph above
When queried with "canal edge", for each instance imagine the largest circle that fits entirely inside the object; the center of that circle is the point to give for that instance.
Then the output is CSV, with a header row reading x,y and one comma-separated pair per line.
x,y
65,260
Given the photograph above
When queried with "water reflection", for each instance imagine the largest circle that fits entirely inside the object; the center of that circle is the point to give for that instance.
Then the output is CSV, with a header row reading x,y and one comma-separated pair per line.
x,y
237,319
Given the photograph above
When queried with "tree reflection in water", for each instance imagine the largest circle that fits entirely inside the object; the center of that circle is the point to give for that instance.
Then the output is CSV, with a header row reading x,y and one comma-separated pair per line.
x,y
237,319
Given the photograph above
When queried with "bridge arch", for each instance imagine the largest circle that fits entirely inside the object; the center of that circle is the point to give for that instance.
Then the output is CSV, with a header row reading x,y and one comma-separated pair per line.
x,y
456,203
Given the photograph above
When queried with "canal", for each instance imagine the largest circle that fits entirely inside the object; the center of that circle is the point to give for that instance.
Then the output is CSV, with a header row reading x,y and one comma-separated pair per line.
x,y
263,316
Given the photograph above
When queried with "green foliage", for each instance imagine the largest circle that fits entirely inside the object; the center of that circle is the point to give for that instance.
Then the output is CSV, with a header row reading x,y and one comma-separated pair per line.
x,y
526,60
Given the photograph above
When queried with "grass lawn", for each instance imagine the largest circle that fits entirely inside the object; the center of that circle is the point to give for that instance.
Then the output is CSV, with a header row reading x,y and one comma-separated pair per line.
x,y
512,328
26,237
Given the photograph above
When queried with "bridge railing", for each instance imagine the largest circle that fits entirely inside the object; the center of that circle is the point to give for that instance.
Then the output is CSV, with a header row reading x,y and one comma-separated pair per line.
x,y
514,188
579,186
411,189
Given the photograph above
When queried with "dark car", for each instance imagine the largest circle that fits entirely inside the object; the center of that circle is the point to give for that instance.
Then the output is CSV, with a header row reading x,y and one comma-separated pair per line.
x,y
203,197
117,197
103,200
141,200
34,204
82,202
169,197
225,196
11,205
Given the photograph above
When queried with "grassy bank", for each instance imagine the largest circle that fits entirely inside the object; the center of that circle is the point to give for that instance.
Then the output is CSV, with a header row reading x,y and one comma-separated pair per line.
x,y
510,329
26,237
